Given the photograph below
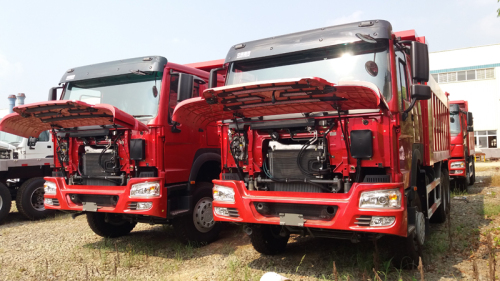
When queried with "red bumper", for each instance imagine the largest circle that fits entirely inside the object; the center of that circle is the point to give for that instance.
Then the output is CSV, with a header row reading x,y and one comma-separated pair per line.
x,y
456,172
123,205
347,207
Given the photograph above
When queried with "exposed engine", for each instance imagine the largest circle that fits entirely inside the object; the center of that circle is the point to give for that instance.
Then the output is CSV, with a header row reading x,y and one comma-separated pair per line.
x,y
304,155
99,161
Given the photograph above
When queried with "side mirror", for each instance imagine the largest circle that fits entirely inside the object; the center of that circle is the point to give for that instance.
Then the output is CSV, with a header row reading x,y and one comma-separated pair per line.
x,y
420,92
470,128
185,87
470,120
212,79
419,61
53,93
32,141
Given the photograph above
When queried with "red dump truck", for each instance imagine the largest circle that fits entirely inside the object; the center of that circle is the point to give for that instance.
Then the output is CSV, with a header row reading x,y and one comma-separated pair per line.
x,y
119,157
461,164
334,132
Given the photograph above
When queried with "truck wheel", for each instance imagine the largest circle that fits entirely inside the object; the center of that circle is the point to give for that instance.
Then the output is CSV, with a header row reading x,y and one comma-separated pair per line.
x,y
407,250
109,225
473,177
266,239
5,201
199,226
29,199
442,211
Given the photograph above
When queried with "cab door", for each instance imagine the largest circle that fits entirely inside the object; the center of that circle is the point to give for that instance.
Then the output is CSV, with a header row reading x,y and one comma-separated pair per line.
x,y
181,141
408,134
42,148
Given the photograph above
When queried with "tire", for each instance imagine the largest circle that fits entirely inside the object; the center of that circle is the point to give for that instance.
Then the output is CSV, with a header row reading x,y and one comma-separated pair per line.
x,y
5,201
109,225
29,200
473,177
407,250
266,239
199,225
442,211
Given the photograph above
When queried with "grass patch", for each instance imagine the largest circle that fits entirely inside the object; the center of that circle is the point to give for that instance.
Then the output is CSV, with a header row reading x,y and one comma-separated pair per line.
x,y
490,210
495,180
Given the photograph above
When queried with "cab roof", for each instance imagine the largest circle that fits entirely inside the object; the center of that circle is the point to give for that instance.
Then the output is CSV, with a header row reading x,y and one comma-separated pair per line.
x,y
113,68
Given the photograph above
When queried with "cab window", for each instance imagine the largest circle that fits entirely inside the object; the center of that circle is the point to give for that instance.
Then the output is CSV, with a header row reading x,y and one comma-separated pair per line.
x,y
402,78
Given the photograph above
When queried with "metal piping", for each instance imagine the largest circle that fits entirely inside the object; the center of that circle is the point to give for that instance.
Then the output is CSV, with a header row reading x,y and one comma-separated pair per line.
x,y
12,103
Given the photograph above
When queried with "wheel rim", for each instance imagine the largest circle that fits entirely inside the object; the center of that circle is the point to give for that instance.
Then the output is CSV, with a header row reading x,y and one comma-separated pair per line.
x,y
203,217
37,199
1,202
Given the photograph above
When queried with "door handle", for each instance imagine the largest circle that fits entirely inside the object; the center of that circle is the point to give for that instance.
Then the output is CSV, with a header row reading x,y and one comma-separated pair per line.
x,y
49,146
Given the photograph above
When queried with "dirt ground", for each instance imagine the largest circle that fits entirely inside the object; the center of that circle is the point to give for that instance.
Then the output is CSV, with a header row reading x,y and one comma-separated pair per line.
x,y
61,248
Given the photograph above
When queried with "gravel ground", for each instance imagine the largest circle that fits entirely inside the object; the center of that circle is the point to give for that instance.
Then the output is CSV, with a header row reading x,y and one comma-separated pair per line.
x,y
61,248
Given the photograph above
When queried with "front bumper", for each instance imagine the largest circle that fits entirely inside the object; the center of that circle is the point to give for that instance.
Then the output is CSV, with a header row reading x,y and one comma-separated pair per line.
x,y
347,214
456,172
121,201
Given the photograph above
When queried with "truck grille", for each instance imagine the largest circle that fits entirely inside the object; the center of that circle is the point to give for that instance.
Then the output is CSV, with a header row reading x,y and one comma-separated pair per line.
x,y
363,220
309,211
233,212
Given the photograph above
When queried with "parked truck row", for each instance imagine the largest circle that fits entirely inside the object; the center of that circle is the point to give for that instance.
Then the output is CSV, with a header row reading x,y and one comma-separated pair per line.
x,y
335,132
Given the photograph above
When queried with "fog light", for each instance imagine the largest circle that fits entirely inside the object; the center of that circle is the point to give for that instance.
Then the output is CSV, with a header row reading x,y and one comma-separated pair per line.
x,y
382,221
48,201
144,205
221,211
458,172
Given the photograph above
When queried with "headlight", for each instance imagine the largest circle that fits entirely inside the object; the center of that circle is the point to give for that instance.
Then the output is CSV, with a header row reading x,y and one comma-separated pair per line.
x,y
49,188
380,199
223,193
459,164
145,189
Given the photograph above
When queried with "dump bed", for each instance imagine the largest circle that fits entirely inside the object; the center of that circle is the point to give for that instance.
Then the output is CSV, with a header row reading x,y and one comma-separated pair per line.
x,y
436,117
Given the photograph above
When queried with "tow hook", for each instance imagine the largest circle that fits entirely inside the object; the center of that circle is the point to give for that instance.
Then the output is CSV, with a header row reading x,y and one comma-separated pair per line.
x,y
247,229
74,215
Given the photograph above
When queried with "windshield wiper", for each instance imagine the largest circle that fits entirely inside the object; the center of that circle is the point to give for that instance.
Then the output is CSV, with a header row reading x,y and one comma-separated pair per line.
x,y
139,116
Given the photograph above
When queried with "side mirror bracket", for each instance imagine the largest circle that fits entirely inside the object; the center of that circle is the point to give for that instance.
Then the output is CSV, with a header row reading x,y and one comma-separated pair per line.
x,y
53,93
212,79
419,92
32,142
174,128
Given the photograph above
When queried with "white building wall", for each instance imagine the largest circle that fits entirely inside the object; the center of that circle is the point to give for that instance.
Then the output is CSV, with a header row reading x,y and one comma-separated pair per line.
x,y
483,95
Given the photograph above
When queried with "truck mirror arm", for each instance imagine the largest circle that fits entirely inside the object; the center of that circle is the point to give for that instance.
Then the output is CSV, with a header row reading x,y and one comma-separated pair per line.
x,y
412,104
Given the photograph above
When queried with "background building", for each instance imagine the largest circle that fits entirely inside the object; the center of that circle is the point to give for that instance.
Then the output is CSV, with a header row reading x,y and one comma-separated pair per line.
x,y
472,74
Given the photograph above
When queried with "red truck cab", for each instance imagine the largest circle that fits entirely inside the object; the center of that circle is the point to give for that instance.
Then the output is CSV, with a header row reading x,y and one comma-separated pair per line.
x,y
120,158
332,132
462,162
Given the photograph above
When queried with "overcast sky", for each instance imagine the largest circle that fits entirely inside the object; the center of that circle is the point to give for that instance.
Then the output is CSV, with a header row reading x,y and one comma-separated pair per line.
x,y
40,40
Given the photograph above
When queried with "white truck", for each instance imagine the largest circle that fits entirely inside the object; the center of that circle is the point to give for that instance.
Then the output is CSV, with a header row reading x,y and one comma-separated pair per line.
x,y
23,164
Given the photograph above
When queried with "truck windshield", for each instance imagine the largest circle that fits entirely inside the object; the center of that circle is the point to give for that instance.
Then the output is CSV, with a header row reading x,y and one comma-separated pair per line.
x,y
132,93
10,138
454,124
360,61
